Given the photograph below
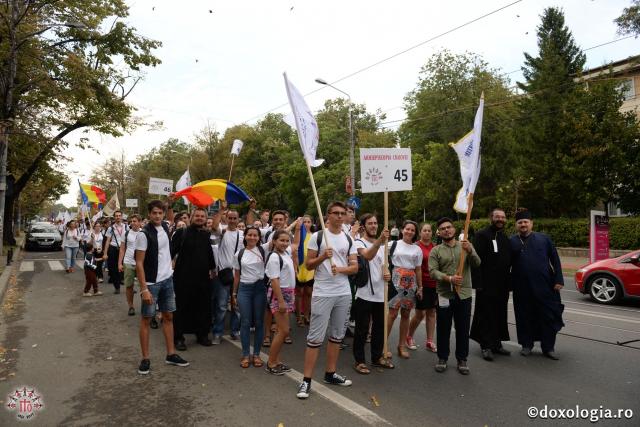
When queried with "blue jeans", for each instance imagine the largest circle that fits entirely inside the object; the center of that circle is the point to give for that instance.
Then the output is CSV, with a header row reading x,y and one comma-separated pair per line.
x,y
221,297
70,254
163,297
252,301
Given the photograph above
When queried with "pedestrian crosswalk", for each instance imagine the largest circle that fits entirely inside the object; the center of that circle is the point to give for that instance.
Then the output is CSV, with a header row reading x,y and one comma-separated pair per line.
x,y
49,265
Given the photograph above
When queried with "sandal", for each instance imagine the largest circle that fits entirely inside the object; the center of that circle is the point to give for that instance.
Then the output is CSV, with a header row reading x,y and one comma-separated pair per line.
x,y
361,368
288,340
266,342
244,362
300,321
402,352
383,363
257,362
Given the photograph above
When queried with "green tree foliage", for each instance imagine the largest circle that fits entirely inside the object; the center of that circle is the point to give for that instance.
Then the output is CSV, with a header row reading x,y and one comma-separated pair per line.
x,y
629,21
441,110
67,65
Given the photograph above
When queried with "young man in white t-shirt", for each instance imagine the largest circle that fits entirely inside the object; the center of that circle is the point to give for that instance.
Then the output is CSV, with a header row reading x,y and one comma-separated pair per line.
x,y
155,274
368,308
333,260
127,261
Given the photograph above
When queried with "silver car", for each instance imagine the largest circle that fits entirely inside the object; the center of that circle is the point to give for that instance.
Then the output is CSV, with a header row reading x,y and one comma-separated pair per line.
x,y
44,236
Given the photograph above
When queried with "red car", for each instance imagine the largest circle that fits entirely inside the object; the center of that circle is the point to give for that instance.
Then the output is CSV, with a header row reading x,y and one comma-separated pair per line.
x,y
609,280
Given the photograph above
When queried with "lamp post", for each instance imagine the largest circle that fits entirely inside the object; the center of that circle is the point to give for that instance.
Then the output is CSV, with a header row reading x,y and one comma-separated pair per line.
x,y
352,142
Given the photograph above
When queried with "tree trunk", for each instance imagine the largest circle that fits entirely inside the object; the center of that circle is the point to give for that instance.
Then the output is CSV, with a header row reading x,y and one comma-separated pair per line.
x,y
8,235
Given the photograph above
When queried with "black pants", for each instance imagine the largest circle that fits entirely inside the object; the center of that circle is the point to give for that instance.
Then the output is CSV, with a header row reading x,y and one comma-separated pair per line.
x,y
460,312
99,262
363,312
115,276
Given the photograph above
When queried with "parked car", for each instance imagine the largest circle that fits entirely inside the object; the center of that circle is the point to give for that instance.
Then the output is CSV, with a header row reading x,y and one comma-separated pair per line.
x,y
609,280
43,235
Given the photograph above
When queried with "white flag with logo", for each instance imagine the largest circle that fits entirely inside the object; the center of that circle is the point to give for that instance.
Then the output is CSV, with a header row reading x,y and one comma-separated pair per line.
x,y
237,146
112,205
184,182
468,151
306,125
96,217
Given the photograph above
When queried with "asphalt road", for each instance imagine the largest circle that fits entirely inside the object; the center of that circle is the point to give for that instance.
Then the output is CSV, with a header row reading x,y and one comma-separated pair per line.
x,y
81,355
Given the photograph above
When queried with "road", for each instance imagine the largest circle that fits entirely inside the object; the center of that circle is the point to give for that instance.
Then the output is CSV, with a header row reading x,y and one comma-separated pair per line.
x,y
81,355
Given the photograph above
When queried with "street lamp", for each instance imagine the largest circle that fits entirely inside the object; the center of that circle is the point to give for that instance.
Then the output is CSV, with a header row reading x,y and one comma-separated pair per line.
x,y
352,142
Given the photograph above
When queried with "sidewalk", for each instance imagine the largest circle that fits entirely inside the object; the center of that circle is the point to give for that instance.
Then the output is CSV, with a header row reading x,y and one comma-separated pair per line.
x,y
571,264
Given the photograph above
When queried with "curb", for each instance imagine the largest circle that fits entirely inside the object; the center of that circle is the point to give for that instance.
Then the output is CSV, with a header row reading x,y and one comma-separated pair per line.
x,y
6,274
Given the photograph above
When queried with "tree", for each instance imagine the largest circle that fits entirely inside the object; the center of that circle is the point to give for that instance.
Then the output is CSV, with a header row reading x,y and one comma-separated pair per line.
x,y
440,110
545,127
58,75
629,21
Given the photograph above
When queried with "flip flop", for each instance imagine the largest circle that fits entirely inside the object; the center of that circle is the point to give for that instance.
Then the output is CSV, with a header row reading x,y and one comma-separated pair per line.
x,y
383,363
361,368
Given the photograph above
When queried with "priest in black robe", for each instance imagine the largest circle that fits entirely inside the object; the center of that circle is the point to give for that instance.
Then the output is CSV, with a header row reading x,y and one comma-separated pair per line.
x,y
194,267
536,281
491,280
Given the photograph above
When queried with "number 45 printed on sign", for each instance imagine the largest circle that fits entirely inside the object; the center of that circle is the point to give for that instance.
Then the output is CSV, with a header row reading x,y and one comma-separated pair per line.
x,y
401,175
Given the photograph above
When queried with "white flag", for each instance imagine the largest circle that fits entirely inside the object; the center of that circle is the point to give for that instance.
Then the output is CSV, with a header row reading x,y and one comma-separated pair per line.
x,y
306,125
468,151
112,205
185,181
237,146
96,217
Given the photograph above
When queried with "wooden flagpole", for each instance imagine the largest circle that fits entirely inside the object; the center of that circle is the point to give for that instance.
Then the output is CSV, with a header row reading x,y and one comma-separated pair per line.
x,y
466,237
385,348
317,199
231,169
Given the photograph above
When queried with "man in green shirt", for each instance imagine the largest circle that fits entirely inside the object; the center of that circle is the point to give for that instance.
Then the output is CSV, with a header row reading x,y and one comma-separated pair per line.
x,y
452,305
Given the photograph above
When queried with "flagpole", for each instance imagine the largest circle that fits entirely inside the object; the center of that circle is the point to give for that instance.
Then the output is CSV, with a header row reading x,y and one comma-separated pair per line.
x,y
231,169
385,348
466,237
317,199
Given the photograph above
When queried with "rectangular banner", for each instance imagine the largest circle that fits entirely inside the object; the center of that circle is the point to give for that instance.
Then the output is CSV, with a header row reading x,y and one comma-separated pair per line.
x,y
131,203
385,169
159,186
598,236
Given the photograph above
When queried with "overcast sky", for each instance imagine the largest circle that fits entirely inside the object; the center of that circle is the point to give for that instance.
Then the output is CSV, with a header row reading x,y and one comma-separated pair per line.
x,y
222,62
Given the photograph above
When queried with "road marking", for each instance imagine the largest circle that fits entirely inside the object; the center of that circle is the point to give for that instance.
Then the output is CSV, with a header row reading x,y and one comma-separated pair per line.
x,y
26,266
602,306
55,265
343,402
597,315
80,263
600,326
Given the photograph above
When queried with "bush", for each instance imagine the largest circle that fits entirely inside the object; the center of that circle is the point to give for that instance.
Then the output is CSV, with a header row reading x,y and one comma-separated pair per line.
x,y
624,233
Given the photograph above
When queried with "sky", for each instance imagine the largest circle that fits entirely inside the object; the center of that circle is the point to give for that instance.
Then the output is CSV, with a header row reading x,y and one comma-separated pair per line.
x,y
222,62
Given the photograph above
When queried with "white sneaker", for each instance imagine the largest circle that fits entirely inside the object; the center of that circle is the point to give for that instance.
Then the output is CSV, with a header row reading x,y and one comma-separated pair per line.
x,y
86,294
97,293
303,390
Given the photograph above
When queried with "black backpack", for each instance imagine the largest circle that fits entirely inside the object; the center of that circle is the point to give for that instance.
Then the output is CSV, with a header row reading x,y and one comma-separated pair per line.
x,y
363,275
391,289
267,281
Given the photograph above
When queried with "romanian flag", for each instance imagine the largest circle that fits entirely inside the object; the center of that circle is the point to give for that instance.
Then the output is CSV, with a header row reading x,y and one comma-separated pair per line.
x,y
92,194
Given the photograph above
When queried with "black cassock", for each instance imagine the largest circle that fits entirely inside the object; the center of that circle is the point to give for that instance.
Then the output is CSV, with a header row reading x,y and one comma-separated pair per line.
x,y
191,281
492,283
535,271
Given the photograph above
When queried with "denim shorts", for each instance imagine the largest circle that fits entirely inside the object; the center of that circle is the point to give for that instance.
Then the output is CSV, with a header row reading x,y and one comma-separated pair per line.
x,y
163,295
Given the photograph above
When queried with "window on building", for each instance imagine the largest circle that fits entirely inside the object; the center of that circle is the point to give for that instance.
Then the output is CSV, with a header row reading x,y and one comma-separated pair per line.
x,y
627,89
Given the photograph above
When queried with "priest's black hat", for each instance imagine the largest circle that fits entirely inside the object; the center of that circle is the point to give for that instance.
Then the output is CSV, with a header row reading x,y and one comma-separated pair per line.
x,y
523,214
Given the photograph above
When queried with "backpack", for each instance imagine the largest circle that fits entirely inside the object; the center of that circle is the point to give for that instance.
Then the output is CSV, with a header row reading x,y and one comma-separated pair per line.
x,y
363,276
391,289
267,281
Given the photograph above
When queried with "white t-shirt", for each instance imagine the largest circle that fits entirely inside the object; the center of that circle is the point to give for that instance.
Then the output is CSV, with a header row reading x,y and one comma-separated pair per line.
x,y
407,256
129,255
325,283
375,267
97,241
252,265
117,234
227,248
164,253
71,238
264,231
287,275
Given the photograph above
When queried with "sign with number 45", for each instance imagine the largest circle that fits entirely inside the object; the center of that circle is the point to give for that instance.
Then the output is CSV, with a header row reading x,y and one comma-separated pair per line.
x,y
160,186
385,169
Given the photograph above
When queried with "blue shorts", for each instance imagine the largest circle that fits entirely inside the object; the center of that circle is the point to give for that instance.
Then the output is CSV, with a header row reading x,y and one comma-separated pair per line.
x,y
163,296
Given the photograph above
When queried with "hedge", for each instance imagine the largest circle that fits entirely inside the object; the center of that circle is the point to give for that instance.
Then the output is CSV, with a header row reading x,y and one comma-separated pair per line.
x,y
624,233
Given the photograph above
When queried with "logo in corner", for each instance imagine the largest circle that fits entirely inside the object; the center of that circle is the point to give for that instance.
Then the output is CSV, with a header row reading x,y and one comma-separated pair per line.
x,y
26,402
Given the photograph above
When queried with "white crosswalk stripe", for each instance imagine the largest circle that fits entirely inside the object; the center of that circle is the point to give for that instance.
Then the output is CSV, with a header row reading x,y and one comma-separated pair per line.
x,y
80,263
56,265
27,266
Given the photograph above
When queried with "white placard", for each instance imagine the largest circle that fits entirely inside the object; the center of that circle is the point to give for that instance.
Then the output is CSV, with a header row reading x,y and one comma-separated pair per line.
x,y
160,186
385,169
131,203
